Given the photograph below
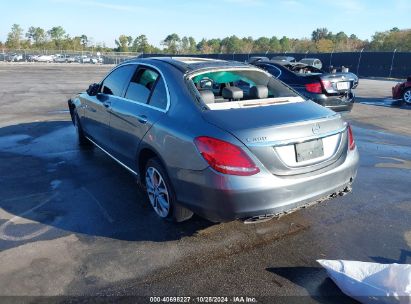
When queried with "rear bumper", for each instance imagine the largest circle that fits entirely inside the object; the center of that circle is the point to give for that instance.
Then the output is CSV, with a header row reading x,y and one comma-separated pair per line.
x,y
335,103
220,197
397,92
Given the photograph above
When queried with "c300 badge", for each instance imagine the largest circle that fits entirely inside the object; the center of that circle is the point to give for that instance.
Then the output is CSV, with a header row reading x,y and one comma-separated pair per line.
x,y
256,139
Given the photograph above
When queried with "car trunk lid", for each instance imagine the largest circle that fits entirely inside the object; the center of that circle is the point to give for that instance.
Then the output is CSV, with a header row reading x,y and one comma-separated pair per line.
x,y
288,139
338,83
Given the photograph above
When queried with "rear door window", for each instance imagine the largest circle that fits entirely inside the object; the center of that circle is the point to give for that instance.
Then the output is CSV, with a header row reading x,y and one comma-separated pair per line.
x,y
142,85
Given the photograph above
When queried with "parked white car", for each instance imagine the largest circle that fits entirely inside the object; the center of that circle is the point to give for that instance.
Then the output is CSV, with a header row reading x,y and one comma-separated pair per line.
x,y
16,57
312,62
85,59
45,58
96,60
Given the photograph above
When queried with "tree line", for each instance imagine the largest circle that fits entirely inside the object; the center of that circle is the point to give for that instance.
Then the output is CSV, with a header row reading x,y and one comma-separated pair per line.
x,y
321,41
56,38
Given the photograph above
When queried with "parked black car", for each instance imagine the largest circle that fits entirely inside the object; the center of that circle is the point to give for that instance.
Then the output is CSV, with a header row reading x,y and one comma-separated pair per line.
x,y
332,90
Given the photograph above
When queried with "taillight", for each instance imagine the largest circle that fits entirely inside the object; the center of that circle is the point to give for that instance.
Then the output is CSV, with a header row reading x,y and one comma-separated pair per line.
x,y
351,141
326,84
314,87
225,157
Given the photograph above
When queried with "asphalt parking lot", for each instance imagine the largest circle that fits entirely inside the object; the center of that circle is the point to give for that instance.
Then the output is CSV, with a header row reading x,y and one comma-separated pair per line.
x,y
74,223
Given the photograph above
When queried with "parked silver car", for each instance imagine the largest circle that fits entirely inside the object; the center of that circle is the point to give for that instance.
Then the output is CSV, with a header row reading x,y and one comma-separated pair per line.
x,y
225,140
313,62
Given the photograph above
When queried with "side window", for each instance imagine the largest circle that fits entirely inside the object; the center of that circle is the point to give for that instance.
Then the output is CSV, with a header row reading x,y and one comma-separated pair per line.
x,y
159,97
115,82
141,85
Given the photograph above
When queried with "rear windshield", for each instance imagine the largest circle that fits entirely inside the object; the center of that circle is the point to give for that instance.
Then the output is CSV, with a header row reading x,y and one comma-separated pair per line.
x,y
241,88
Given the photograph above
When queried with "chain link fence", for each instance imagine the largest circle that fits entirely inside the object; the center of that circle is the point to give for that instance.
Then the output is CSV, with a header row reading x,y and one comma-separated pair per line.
x,y
365,64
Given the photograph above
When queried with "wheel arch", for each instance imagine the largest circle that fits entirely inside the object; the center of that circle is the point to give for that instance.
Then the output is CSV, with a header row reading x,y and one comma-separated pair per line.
x,y
72,105
144,154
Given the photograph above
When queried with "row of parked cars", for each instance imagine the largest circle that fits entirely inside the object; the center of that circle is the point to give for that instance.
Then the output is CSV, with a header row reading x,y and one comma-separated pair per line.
x,y
59,58
315,62
333,89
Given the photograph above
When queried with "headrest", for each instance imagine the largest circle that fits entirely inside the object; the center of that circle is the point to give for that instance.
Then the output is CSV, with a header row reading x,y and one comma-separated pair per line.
x,y
259,92
207,96
233,93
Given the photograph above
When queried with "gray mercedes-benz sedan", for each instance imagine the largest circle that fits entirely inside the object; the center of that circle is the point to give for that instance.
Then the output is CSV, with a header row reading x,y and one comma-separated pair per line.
x,y
221,139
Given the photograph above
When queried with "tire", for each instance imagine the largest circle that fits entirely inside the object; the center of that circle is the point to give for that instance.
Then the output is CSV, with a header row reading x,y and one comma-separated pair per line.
x,y
81,138
161,194
406,96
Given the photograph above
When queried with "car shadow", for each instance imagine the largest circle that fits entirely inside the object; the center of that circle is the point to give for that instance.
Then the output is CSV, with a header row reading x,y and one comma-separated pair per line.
x,y
50,187
316,282
383,102
405,255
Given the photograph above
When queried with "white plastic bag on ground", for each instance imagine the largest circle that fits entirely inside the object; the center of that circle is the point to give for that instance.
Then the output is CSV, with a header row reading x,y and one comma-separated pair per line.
x,y
371,282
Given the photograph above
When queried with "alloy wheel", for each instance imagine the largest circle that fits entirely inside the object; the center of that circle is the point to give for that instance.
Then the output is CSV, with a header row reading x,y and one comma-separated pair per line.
x,y
407,96
157,192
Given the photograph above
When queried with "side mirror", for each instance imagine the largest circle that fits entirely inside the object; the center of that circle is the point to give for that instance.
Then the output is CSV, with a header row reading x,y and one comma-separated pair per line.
x,y
93,89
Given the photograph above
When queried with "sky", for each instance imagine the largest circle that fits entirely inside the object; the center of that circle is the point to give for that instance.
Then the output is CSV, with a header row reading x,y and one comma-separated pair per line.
x,y
105,20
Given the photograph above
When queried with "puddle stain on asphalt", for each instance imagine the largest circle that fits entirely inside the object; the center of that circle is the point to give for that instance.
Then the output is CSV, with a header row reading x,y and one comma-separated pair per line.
x,y
387,102
22,219
56,143
398,164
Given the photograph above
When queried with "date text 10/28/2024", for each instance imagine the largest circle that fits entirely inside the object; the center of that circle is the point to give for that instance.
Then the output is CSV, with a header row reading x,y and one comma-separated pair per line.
x,y
203,300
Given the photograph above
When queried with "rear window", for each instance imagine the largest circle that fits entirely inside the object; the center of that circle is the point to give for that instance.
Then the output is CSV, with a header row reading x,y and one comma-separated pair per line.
x,y
237,88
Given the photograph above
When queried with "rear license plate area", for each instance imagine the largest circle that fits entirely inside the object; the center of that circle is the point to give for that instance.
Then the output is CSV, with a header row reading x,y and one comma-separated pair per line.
x,y
343,85
309,150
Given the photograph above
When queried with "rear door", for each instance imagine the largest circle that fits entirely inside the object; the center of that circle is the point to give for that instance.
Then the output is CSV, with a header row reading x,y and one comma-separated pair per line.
x,y
96,121
146,100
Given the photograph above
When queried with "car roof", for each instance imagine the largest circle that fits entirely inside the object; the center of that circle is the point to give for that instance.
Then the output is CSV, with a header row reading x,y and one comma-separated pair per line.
x,y
190,64
277,62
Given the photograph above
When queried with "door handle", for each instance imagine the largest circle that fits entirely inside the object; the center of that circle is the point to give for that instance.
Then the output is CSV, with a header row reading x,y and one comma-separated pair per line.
x,y
107,104
142,118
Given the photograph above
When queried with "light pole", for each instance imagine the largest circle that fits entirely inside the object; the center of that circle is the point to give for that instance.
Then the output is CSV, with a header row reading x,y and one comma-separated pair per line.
x,y
331,57
392,62
359,60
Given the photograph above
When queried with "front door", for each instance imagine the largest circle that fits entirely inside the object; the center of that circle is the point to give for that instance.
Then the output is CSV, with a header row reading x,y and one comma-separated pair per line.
x,y
98,108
